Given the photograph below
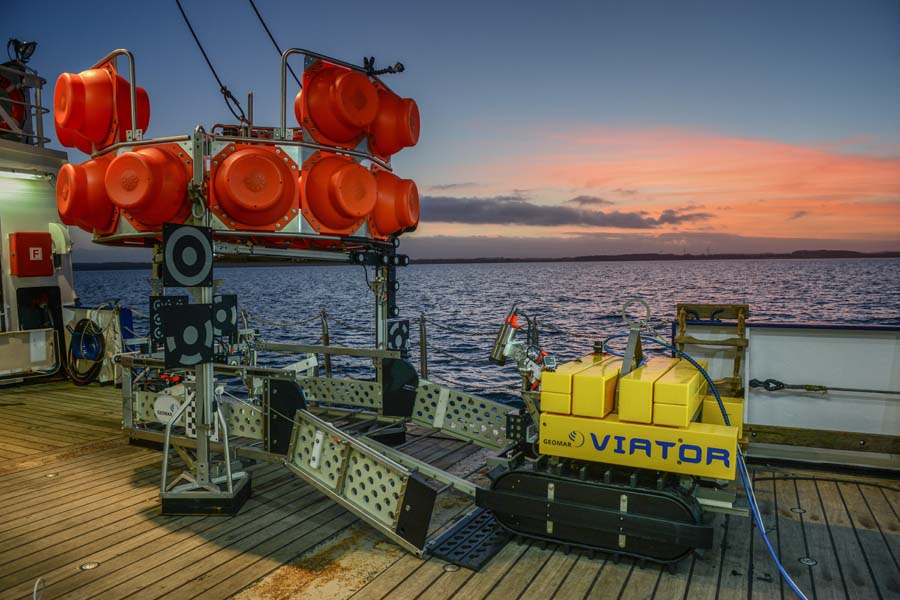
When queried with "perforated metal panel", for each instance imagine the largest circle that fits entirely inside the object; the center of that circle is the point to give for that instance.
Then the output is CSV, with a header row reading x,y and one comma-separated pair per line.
x,y
243,420
362,480
143,406
374,487
343,392
463,415
327,468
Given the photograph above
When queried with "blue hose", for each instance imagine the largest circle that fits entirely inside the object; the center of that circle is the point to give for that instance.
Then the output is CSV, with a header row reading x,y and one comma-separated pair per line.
x,y
742,466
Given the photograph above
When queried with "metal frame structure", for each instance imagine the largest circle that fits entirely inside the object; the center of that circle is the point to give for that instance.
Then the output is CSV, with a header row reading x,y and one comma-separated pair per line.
x,y
332,432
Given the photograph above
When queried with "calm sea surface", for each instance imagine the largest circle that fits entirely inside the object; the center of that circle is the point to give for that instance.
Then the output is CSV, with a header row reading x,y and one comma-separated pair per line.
x,y
576,303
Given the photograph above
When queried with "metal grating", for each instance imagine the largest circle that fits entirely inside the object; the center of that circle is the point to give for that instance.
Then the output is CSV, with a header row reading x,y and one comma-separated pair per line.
x,y
243,420
343,392
463,415
473,541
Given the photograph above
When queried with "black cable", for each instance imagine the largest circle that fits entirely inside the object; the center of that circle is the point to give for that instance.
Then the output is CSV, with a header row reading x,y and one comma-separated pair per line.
x,y
230,101
272,37
86,327
369,66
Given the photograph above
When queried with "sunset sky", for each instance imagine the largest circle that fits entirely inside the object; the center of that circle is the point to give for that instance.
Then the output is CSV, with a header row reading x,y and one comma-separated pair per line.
x,y
568,128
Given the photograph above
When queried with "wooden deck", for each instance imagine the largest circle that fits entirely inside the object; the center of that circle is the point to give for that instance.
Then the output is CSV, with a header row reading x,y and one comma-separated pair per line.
x,y
74,495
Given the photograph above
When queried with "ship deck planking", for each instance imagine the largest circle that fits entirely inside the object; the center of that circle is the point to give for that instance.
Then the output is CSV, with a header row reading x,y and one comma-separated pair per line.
x,y
76,495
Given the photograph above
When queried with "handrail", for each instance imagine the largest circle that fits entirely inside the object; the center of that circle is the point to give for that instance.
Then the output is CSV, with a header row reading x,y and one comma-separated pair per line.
x,y
302,144
34,110
135,133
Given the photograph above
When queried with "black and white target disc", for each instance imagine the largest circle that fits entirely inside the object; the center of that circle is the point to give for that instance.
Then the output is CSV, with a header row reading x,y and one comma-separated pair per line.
x,y
188,333
187,256
225,316
157,335
398,334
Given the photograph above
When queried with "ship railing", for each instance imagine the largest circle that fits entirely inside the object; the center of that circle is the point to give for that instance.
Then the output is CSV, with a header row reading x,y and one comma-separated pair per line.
x,y
31,130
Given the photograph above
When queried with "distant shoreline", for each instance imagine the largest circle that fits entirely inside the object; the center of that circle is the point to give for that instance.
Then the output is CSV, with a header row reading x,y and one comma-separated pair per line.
x,y
799,254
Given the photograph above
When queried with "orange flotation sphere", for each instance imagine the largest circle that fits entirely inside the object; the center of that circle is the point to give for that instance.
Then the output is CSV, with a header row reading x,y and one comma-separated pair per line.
x,y
397,206
254,186
338,192
96,105
150,184
396,126
336,104
81,196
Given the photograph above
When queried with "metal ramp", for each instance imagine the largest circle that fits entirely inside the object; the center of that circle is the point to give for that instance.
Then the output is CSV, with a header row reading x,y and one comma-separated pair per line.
x,y
395,500
390,490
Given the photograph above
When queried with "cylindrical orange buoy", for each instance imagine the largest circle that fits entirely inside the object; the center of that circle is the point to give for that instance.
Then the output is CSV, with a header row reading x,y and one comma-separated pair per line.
x,y
396,126
81,196
397,206
338,192
72,139
150,184
336,104
254,186
96,105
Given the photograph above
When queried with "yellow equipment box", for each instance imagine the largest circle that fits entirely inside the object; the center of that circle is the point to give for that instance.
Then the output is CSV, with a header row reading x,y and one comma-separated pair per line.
x,y
560,380
636,390
681,384
556,403
675,415
734,408
594,389
701,449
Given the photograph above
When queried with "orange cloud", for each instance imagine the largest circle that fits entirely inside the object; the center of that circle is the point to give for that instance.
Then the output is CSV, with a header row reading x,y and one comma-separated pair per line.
x,y
751,186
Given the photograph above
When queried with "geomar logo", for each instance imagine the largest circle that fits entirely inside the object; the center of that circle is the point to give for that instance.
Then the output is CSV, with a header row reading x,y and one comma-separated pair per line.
x,y
577,439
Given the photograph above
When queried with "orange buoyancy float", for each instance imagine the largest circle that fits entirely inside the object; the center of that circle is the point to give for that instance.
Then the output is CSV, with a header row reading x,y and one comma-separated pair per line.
x,y
96,105
337,193
396,126
81,196
255,186
150,185
397,204
336,104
